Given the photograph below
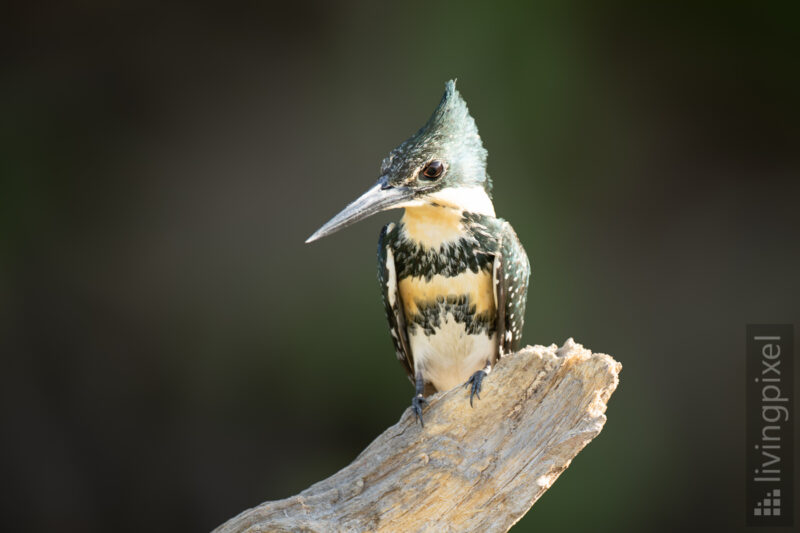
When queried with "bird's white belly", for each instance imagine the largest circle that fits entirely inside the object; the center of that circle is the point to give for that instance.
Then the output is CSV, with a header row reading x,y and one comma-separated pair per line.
x,y
450,356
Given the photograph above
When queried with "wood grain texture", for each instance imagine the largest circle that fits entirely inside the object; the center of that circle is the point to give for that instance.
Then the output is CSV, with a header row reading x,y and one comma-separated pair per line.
x,y
468,469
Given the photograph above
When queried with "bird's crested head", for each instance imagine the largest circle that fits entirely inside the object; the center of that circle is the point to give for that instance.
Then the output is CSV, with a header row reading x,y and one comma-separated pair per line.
x,y
443,164
446,152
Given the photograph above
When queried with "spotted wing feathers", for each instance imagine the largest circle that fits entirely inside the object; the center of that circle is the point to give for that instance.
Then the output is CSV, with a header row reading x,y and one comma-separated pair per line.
x,y
511,274
387,277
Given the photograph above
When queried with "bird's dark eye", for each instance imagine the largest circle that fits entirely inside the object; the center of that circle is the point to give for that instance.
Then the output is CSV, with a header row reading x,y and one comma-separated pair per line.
x,y
433,170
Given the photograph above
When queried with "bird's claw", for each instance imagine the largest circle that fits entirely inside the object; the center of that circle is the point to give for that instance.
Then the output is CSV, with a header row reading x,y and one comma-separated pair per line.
x,y
475,382
416,405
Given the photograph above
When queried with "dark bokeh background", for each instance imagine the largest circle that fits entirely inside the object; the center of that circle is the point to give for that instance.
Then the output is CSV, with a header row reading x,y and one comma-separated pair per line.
x,y
172,352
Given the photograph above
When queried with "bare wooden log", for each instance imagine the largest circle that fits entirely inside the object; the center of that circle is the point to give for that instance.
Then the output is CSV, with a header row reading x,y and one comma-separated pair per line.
x,y
468,469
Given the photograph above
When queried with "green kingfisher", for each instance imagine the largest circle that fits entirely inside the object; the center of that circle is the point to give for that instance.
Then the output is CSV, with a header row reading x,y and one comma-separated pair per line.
x,y
454,277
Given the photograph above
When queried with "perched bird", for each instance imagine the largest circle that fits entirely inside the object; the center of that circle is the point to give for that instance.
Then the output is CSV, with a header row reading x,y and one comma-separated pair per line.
x,y
454,277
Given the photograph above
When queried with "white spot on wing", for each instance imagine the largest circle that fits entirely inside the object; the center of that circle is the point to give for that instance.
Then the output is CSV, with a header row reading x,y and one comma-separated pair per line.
x,y
391,282
495,272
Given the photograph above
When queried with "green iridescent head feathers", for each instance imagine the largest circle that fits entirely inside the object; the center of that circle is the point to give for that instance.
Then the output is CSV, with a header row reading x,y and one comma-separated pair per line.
x,y
445,158
450,135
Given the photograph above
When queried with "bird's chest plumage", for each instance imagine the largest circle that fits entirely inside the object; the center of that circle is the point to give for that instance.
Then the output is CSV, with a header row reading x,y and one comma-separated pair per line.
x,y
445,282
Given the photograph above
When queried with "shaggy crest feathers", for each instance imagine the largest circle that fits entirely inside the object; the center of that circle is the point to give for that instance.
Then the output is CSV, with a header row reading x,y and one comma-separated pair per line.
x,y
449,134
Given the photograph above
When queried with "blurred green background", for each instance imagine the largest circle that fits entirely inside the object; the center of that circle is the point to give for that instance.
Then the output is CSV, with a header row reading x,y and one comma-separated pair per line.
x,y
172,353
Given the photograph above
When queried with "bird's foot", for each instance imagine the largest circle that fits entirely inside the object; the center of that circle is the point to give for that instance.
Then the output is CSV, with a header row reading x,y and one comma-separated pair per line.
x,y
474,382
416,405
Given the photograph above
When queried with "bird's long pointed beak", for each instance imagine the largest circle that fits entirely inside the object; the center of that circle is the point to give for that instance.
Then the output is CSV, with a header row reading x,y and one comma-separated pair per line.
x,y
379,198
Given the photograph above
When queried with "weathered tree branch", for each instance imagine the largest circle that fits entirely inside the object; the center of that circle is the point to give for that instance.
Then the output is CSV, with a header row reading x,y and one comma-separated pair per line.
x,y
468,469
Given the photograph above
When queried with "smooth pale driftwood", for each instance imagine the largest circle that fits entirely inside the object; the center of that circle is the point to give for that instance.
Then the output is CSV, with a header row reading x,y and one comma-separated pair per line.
x,y
468,469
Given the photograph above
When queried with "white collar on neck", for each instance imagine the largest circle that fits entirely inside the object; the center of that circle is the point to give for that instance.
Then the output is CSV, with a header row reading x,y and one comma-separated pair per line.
x,y
468,199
